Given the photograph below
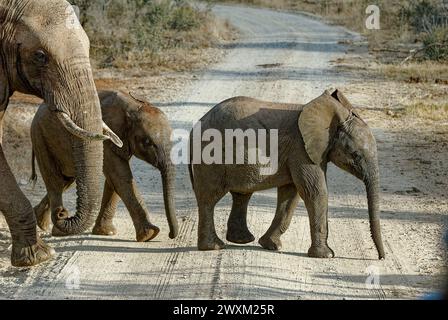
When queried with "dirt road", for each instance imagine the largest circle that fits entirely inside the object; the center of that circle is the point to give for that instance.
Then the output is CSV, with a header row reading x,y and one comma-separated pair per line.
x,y
278,57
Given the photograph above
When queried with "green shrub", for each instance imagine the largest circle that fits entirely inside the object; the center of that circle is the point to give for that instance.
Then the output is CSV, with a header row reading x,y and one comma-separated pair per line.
x,y
436,44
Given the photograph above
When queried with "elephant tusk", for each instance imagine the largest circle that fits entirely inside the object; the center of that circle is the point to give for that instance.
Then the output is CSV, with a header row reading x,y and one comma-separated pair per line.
x,y
75,130
112,136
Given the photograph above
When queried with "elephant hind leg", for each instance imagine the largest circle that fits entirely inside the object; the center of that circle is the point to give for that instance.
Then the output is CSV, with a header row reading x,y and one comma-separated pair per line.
x,y
287,200
237,230
207,237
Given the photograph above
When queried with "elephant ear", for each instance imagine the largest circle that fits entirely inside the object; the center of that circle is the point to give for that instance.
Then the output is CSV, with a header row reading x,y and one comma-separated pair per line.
x,y
318,122
339,96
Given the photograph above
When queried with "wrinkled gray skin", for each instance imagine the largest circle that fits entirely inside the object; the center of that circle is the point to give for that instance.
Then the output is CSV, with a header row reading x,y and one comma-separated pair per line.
x,y
39,55
326,129
146,134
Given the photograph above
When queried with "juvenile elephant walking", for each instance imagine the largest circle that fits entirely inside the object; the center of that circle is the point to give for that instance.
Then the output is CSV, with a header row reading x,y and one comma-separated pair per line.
x,y
145,132
326,129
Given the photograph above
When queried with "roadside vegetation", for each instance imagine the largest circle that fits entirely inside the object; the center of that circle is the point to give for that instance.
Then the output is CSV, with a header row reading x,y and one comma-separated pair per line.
x,y
402,21
410,47
158,34
428,110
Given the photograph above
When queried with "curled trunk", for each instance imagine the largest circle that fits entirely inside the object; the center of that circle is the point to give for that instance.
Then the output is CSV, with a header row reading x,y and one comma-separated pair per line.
x,y
84,110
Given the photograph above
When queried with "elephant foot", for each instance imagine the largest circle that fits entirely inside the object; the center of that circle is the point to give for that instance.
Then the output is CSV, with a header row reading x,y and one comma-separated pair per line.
x,y
28,256
323,251
212,243
269,243
240,236
104,229
147,233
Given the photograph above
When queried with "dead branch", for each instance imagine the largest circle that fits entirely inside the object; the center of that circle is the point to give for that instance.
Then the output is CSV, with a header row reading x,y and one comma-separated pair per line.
x,y
415,52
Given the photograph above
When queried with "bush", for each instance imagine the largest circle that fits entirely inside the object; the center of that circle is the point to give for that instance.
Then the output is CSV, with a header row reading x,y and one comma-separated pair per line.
x,y
184,18
138,31
436,44
425,15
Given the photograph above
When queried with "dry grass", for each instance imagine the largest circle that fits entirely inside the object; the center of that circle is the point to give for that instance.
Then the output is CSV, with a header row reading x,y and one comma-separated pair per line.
x,y
424,72
428,111
152,34
186,54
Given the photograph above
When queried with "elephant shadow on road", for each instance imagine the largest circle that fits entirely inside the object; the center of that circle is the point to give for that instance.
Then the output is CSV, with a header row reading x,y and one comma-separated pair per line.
x,y
162,250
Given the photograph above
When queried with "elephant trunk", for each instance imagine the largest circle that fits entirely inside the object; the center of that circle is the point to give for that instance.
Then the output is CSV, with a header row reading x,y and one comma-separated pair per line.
x,y
373,198
168,181
84,110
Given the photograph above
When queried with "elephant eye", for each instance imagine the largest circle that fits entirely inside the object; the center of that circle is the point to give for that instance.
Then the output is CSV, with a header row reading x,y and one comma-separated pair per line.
x,y
357,157
40,58
147,142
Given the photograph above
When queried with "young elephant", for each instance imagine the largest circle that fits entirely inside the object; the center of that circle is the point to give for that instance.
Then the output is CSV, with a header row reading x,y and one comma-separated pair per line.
x,y
146,134
326,129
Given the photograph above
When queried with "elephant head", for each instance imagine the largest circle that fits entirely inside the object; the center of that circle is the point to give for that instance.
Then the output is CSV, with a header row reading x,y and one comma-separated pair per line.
x,y
333,131
147,135
45,52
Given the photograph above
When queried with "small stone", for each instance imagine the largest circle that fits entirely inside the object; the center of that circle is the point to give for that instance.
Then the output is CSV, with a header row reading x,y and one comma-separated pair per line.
x,y
390,113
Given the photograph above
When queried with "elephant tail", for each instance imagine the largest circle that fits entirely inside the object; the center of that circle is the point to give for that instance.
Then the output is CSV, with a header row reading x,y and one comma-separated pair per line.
x,y
33,178
190,162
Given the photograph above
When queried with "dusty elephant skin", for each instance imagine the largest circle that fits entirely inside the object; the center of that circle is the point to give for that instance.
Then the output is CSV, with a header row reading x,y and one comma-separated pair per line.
x,y
146,134
327,129
41,55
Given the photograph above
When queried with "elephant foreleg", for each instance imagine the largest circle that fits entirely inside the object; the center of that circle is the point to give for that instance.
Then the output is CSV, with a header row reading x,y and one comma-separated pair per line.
x,y
237,230
57,208
316,203
55,182
43,209
119,174
27,248
104,223
287,200
43,214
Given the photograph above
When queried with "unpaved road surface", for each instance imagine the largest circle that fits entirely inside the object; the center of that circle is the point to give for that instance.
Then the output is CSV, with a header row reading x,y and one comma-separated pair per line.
x,y
278,57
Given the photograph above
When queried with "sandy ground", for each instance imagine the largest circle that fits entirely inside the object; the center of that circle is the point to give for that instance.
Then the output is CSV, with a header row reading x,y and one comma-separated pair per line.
x,y
279,57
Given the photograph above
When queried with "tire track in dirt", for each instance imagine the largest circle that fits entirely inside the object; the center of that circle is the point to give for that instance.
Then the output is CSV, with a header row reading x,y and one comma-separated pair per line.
x,y
42,282
171,261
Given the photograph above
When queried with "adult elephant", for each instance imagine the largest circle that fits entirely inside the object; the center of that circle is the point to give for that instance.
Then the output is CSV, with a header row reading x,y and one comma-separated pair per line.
x,y
45,52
